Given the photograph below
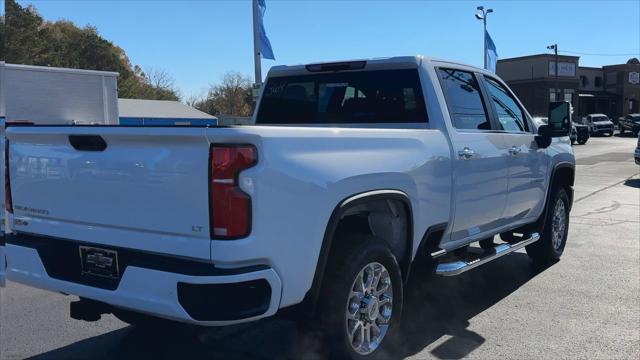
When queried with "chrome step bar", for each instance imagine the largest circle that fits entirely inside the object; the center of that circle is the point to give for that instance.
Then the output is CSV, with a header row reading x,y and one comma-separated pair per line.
x,y
458,267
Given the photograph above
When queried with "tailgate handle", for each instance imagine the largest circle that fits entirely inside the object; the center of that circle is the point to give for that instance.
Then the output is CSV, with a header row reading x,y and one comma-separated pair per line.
x,y
88,142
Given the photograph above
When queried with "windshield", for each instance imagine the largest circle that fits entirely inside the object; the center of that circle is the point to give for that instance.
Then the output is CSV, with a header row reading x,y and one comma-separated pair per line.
x,y
384,96
600,118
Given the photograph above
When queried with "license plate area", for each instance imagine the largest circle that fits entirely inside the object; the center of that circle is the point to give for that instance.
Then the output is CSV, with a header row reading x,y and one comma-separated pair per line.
x,y
99,262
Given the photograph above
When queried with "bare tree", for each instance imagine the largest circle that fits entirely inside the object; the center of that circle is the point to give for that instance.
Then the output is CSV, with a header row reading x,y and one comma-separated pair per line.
x,y
161,85
159,79
231,97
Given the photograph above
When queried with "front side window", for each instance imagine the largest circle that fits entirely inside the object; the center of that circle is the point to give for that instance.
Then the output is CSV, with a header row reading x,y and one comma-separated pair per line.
x,y
511,118
464,100
382,96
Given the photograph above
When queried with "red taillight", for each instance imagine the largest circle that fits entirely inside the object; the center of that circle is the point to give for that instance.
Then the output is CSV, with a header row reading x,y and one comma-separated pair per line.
x,y
7,185
230,207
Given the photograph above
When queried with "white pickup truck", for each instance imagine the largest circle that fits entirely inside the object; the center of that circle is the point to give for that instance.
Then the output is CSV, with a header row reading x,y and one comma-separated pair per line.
x,y
353,173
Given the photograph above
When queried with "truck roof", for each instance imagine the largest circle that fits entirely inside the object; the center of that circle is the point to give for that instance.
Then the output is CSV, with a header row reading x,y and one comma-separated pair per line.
x,y
381,63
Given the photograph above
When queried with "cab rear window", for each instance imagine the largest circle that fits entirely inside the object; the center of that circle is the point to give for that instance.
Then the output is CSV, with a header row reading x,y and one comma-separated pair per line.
x,y
382,96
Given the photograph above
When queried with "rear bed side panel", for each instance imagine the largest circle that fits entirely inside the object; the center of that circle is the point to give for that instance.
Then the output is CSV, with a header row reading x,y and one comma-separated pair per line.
x,y
147,190
303,173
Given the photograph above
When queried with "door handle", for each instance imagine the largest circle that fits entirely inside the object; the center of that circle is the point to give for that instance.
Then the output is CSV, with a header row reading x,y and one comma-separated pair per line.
x,y
466,153
514,150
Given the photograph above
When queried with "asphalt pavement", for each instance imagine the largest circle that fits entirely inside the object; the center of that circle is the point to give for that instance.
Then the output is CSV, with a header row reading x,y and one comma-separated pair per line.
x,y
585,306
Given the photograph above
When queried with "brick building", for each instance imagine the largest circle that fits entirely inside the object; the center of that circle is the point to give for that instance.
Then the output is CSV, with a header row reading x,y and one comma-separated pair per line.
x,y
613,90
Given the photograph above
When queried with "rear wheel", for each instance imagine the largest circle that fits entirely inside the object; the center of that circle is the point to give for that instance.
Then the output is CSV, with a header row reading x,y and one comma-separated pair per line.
x,y
361,303
554,235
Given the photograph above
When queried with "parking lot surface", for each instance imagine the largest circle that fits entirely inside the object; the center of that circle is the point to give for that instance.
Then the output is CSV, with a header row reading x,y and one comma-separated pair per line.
x,y
585,306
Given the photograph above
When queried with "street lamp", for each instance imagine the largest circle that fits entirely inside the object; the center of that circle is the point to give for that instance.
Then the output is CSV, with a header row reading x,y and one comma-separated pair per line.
x,y
554,47
482,14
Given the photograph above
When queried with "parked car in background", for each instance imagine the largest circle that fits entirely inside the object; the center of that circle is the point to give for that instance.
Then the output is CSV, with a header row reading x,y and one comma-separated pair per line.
x,y
631,123
579,133
599,124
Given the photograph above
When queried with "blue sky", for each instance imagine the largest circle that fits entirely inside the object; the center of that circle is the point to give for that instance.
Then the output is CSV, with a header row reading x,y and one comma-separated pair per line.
x,y
198,41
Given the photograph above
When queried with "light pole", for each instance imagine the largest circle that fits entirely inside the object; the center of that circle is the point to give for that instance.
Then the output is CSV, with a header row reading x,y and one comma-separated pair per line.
x,y
482,14
257,60
554,47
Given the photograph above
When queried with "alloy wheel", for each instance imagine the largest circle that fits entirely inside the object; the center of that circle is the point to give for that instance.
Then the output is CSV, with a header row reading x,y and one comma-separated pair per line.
x,y
369,308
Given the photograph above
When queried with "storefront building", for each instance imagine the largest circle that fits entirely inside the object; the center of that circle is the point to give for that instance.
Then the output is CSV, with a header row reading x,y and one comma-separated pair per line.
x,y
613,90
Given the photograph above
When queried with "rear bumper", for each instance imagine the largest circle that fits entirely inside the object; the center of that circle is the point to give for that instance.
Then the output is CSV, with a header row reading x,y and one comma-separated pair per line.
x,y
212,297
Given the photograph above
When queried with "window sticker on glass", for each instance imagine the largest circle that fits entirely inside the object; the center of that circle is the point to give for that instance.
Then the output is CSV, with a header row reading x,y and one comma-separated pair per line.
x,y
275,87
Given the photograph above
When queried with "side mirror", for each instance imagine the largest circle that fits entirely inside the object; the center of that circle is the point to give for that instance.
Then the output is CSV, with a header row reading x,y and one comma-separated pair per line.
x,y
543,139
559,118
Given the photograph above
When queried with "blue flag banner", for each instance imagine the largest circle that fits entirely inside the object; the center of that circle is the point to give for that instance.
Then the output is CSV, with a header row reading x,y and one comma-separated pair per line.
x,y
265,44
492,53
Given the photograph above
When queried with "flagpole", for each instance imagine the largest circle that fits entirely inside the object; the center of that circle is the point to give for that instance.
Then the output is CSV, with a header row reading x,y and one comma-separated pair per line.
x,y
485,42
256,45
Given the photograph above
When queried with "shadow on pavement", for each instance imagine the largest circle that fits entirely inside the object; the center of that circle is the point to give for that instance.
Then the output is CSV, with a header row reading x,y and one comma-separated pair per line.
x,y
634,183
434,307
627,134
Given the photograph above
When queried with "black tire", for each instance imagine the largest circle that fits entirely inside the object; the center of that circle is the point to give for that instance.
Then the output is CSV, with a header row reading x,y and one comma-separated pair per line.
x,y
349,258
543,251
582,142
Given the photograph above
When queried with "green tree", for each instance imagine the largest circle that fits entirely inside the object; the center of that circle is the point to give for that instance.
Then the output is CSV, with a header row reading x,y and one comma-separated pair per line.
x,y
32,40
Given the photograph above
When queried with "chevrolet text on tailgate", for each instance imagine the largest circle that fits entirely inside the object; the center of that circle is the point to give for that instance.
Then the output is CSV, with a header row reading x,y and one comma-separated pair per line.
x,y
354,173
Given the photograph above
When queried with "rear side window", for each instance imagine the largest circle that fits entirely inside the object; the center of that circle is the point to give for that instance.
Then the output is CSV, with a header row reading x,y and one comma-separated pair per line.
x,y
464,100
383,96
510,116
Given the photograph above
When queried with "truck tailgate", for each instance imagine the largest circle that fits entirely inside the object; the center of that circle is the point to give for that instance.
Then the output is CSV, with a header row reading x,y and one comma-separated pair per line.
x,y
147,190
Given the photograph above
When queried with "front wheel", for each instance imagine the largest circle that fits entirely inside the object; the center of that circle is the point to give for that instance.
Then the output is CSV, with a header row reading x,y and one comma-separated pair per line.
x,y
361,303
582,142
556,229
